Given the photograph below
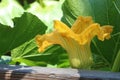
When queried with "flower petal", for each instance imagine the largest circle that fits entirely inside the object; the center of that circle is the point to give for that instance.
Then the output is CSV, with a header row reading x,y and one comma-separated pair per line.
x,y
81,24
106,31
42,43
64,31
95,30
48,39
62,28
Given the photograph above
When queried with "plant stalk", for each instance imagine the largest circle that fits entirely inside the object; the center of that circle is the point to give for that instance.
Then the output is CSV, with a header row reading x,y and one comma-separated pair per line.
x,y
116,64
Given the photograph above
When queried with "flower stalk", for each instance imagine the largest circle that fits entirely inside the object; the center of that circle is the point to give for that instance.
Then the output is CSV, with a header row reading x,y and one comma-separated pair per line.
x,y
116,64
81,57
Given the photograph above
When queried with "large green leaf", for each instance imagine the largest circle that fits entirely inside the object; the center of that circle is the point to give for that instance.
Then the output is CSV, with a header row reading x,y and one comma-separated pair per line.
x,y
104,12
25,28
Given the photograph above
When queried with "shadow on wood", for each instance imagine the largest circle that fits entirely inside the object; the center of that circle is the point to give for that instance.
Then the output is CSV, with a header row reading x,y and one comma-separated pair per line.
x,y
13,72
10,72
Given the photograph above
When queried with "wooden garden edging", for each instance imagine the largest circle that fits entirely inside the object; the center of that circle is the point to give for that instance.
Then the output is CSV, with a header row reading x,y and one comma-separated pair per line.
x,y
10,72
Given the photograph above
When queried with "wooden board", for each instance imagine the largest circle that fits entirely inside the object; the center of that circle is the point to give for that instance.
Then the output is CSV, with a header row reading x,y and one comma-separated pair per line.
x,y
11,72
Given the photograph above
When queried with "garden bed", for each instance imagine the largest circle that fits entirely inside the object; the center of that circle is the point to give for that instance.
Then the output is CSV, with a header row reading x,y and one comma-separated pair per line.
x,y
11,72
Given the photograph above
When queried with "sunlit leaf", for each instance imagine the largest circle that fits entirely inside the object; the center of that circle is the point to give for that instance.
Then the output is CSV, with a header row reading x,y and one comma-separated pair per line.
x,y
47,13
8,10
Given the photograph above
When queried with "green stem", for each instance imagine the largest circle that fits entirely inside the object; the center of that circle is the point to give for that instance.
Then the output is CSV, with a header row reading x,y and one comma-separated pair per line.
x,y
116,64
41,3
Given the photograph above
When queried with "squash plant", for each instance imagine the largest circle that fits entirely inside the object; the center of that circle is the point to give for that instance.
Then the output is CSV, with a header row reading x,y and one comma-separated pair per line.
x,y
20,42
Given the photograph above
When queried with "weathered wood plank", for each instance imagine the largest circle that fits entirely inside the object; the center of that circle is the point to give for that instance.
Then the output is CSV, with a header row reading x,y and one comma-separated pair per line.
x,y
10,72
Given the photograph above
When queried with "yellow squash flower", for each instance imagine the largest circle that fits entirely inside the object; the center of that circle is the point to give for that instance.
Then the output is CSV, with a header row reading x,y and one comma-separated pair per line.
x,y
75,40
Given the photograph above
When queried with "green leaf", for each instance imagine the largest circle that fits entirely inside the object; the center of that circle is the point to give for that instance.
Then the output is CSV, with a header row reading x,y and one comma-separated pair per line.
x,y
25,28
29,55
25,51
103,12
9,9
72,9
